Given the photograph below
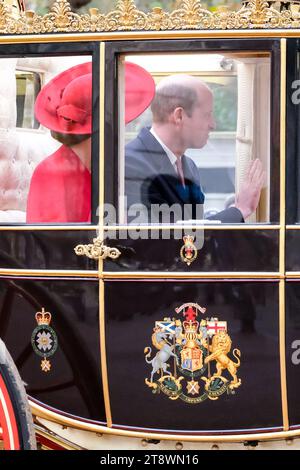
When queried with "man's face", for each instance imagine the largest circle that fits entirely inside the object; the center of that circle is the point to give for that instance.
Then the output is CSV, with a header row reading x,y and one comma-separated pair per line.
x,y
196,128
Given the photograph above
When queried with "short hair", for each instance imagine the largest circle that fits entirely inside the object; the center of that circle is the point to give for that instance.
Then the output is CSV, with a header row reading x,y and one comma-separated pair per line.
x,y
172,96
69,139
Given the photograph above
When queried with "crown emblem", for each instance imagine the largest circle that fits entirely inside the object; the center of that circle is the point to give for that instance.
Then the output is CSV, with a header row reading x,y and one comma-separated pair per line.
x,y
188,252
190,323
43,317
44,339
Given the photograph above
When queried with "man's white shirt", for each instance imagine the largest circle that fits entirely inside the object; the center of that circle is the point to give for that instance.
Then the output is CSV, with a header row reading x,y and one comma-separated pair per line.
x,y
172,157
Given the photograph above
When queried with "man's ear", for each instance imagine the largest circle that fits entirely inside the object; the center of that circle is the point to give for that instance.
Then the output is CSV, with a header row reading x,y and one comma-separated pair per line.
x,y
178,115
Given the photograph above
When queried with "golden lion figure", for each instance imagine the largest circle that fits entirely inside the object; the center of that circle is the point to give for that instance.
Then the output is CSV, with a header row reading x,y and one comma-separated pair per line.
x,y
220,347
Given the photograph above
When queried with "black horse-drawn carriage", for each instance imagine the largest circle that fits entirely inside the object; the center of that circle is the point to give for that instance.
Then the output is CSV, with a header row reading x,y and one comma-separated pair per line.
x,y
179,329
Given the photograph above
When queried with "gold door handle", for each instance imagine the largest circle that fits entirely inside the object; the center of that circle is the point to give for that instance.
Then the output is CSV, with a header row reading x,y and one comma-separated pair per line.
x,y
97,250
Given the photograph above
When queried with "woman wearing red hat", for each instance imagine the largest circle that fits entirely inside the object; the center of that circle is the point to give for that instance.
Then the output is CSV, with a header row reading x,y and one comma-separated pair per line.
x,y
60,188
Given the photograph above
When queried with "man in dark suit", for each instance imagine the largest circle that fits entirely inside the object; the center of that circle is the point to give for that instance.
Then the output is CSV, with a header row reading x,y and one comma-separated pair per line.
x,y
161,183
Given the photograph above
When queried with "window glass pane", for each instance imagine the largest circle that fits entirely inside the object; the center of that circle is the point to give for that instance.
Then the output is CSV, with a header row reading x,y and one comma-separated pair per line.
x,y
200,150
45,139
293,141
28,87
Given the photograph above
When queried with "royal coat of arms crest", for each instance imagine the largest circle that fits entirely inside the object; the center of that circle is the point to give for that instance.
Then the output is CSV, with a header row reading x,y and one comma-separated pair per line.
x,y
192,358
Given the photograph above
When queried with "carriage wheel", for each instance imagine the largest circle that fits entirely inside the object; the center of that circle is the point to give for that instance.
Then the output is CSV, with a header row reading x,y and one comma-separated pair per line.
x,y
15,416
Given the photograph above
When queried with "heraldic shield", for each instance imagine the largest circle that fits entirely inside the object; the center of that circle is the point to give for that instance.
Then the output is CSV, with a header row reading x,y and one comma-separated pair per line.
x,y
192,358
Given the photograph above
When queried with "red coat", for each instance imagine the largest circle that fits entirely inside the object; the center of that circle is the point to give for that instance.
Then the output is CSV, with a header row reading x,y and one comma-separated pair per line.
x,y
60,190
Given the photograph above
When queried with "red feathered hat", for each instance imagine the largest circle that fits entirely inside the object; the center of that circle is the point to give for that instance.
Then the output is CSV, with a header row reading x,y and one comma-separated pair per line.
x,y
65,103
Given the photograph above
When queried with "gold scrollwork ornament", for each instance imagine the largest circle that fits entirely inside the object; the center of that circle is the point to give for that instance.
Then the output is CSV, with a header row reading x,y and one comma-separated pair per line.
x,y
97,250
190,15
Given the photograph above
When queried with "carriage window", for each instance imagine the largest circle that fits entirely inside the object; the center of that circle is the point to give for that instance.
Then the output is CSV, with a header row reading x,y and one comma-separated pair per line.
x,y
45,141
196,139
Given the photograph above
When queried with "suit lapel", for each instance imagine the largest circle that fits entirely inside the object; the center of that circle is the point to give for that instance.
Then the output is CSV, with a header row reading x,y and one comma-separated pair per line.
x,y
165,171
166,175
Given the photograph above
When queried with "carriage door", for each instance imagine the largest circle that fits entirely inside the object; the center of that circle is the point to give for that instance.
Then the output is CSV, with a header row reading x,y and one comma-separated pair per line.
x,y
193,301
292,230
49,318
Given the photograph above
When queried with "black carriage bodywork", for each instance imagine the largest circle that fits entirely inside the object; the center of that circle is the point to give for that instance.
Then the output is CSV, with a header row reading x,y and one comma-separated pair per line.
x,y
103,312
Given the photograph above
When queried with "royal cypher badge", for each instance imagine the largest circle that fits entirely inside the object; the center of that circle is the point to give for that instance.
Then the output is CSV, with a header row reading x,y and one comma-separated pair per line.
x,y
192,357
44,339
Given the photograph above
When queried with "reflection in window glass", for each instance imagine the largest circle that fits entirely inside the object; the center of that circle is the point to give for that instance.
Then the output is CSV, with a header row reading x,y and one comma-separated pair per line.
x,y
217,158
207,125
45,139
28,87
